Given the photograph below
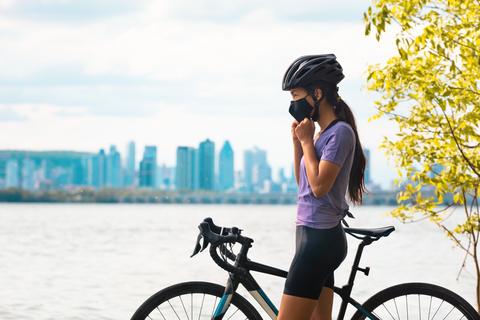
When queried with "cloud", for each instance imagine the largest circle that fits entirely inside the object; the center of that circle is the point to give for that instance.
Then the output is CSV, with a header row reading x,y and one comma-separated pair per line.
x,y
67,11
213,67
236,10
9,113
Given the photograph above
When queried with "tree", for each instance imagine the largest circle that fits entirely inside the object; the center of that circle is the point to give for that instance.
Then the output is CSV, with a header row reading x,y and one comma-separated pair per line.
x,y
431,90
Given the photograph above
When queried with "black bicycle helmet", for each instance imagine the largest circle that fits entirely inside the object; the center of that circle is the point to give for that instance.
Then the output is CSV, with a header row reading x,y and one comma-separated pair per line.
x,y
309,69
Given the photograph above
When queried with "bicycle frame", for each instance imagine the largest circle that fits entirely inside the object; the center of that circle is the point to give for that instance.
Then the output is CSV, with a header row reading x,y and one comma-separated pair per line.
x,y
251,285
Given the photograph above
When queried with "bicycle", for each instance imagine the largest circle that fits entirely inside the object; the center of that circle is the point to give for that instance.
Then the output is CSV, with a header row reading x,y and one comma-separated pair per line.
x,y
381,306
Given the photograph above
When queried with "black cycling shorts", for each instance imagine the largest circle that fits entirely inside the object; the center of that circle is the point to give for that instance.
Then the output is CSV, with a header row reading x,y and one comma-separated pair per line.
x,y
318,253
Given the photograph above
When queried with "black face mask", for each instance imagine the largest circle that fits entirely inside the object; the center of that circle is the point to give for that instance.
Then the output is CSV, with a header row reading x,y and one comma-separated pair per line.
x,y
300,109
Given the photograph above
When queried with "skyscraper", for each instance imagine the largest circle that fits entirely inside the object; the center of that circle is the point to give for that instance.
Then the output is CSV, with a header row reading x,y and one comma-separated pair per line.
x,y
185,168
256,169
97,170
130,165
166,176
226,167
114,168
206,165
28,171
148,167
248,163
281,175
12,174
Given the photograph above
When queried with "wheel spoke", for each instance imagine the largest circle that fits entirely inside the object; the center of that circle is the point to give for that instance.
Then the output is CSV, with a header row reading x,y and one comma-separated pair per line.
x,y
173,309
180,297
201,307
437,309
389,312
419,310
396,308
453,307
160,314
429,308
376,315
406,304
233,314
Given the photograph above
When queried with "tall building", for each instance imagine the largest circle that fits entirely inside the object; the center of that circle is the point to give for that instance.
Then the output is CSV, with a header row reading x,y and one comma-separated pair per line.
x,y
256,169
12,179
281,175
292,181
97,170
114,168
239,181
206,165
28,174
166,177
41,174
45,170
262,173
186,168
248,163
226,167
148,168
129,178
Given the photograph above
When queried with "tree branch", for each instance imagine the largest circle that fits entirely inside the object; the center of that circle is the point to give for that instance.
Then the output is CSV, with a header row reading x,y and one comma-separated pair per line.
x,y
454,238
458,146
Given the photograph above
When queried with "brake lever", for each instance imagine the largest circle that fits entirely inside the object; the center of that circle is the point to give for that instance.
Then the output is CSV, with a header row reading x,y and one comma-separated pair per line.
x,y
205,244
197,245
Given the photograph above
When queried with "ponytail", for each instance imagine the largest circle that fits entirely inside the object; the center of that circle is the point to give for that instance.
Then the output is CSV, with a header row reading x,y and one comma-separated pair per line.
x,y
356,185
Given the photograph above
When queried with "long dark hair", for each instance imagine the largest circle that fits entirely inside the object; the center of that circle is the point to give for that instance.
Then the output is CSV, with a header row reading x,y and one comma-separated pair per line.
x,y
356,185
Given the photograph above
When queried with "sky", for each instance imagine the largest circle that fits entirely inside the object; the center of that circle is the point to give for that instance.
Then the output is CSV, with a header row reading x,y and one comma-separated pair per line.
x,y
83,75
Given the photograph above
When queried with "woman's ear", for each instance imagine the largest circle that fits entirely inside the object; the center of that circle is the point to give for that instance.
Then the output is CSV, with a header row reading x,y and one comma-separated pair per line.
x,y
318,93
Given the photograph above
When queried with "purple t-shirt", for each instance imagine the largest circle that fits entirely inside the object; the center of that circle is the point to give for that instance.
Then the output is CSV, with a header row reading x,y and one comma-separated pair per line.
x,y
335,144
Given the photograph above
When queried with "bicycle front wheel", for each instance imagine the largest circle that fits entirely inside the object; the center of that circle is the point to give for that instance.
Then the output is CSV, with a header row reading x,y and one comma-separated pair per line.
x,y
193,300
417,301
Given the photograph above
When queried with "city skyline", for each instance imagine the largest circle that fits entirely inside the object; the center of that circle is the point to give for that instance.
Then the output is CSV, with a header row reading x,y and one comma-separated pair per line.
x,y
200,168
77,76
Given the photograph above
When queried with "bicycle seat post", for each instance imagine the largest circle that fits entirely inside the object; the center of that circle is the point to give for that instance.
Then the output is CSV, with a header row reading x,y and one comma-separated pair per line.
x,y
349,286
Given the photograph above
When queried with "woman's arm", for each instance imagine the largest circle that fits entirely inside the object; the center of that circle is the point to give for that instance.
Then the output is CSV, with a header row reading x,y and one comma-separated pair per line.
x,y
297,156
321,174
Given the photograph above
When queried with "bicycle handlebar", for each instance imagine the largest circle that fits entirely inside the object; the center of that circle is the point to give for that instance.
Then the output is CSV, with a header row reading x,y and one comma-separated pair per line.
x,y
219,236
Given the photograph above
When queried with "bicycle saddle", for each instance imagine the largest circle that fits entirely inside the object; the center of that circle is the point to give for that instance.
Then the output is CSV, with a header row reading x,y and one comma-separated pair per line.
x,y
374,232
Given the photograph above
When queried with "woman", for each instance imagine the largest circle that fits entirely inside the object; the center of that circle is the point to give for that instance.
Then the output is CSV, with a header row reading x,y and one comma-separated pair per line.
x,y
324,168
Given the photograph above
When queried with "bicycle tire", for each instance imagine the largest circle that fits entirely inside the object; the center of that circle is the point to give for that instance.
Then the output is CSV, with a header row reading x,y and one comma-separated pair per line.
x,y
207,288
465,310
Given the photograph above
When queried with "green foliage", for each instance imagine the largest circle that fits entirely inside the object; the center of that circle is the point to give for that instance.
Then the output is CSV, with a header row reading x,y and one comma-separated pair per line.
x,y
430,88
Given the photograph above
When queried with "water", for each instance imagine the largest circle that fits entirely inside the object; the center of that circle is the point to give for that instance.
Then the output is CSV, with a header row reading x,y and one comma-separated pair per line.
x,y
101,261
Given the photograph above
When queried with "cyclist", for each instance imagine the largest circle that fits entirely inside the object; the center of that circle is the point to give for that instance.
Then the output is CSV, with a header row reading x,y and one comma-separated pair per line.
x,y
324,168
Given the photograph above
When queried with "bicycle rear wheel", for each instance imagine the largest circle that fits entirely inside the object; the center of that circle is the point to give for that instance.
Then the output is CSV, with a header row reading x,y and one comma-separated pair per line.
x,y
417,301
193,300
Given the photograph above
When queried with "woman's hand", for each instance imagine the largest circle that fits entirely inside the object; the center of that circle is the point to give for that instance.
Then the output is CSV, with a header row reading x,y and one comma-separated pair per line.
x,y
305,130
294,135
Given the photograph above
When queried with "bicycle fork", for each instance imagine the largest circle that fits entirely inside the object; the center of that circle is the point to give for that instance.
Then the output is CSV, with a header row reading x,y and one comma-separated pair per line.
x,y
252,287
224,303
